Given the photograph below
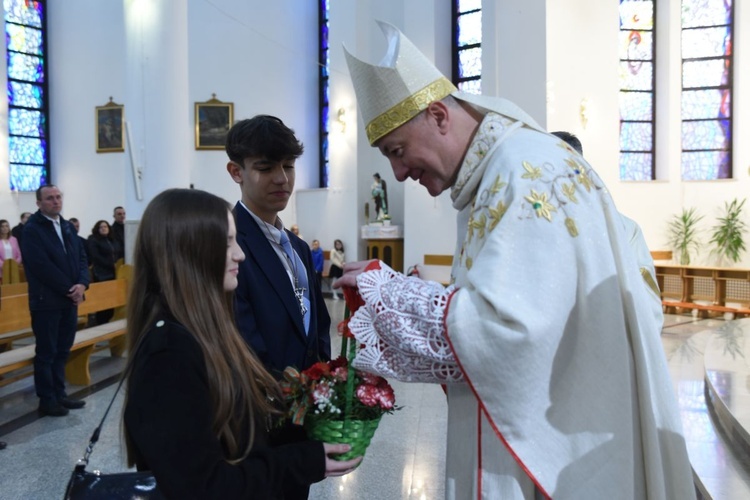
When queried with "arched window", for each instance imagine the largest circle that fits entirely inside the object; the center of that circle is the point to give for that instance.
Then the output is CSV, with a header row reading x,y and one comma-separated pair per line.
x,y
467,45
28,130
707,27
323,106
637,96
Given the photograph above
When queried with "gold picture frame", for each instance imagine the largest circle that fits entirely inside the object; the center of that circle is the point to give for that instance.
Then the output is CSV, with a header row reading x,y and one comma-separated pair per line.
x,y
110,128
213,119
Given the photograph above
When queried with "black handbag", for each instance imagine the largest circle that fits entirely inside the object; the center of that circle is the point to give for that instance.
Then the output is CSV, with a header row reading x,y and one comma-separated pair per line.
x,y
85,485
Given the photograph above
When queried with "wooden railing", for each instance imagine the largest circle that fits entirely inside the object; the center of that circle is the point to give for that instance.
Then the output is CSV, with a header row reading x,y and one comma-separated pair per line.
x,y
707,289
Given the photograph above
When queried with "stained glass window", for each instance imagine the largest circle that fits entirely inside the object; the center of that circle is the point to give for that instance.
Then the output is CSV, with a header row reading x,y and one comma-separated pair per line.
x,y
27,94
637,137
324,107
467,45
707,27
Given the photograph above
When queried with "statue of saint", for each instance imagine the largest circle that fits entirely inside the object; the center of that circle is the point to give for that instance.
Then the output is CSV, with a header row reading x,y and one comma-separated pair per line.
x,y
380,197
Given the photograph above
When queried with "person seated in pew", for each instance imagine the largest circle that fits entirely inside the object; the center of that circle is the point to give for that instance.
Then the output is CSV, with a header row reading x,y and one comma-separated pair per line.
x,y
103,253
198,398
9,248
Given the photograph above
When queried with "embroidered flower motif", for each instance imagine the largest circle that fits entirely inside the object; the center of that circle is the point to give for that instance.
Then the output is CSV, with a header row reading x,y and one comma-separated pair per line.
x,y
580,173
469,263
569,190
496,214
479,225
532,172
572,228
541,206
497,185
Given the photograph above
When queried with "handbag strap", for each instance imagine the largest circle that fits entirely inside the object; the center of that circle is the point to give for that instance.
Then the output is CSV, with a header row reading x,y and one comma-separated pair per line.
x,y
83,462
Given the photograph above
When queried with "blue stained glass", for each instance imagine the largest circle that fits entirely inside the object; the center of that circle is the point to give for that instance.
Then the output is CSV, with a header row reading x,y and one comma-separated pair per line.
x,y
26,68
470,62
706,42
636,166
467,5
26,122
26,150
636,15
636,45
636,106
26,177
706,134
706,13
25,95
470,29
636,136
23,39
705,165
709,103
705,73
636,75
26,12
471,86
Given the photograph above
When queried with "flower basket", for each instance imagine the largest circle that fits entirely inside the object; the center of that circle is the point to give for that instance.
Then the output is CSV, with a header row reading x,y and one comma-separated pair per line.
x,y
335,402
356,433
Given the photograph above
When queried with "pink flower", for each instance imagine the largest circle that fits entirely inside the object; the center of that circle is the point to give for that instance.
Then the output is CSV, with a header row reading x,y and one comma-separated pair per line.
x,y
322,393
367,394
340,374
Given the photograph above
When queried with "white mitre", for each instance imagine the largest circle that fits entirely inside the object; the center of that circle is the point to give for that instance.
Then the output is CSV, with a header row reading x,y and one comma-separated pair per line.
x,y
405,83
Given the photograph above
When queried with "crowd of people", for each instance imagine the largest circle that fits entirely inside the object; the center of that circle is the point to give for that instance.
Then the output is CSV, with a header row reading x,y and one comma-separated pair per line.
x,y
572,400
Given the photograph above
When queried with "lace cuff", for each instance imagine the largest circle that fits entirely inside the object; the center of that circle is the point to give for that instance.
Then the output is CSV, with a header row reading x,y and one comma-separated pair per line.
x,y
401,327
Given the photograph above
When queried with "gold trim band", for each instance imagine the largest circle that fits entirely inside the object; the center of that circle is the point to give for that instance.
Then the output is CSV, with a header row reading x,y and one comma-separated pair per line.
x,y
408,109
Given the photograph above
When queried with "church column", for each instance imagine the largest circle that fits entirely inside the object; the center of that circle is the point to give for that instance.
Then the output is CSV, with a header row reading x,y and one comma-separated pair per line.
x,y
157,108
514,53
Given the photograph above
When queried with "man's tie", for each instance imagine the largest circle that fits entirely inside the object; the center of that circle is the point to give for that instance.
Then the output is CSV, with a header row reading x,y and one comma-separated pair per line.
x,y
299,274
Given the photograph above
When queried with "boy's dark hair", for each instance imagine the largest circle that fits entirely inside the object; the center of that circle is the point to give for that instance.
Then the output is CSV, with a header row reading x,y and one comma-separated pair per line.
x,y
571,139
262,136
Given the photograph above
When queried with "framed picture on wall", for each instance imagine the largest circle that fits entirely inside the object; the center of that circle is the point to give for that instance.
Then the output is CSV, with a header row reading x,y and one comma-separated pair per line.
x,y
110,133
213,119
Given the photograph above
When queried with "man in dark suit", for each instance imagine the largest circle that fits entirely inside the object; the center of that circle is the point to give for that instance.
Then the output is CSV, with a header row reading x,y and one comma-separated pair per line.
x,y
279,307
58,275
118,232
17,231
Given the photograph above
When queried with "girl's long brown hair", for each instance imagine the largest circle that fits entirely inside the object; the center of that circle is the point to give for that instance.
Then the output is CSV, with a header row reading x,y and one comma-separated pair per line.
x,y
179,264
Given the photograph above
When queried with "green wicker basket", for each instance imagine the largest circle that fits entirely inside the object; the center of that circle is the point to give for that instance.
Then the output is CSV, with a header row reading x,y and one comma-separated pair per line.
x,y
356,433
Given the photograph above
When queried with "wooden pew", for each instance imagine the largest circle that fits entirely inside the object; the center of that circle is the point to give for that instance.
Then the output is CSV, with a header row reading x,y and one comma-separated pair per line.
x,y
99,296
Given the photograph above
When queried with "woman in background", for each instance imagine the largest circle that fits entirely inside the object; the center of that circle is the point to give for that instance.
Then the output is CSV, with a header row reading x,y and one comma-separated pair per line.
x,y
199,402
9,248
337,265
101,251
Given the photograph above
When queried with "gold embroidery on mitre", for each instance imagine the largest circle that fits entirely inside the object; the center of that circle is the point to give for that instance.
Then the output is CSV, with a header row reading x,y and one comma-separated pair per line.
x,y
408,108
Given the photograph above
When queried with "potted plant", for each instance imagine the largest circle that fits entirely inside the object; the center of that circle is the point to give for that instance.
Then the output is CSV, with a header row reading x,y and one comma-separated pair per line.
x,y
728,235
683,234
386,220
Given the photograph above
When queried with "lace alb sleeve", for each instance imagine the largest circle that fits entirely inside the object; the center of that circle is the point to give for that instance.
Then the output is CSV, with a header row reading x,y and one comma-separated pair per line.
x,y
401,328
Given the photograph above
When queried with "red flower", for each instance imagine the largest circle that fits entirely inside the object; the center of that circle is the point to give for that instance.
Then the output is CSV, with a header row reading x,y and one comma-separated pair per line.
x,y
318,370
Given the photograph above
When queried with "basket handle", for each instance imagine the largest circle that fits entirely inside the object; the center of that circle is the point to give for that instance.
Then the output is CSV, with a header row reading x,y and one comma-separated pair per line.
x,y
348,350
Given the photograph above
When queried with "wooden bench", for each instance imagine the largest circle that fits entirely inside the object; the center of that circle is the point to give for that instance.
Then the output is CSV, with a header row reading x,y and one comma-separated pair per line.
x,y
703,309
13,289
100,296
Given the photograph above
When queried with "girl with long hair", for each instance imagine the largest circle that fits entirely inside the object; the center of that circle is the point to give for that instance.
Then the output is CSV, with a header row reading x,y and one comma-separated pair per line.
x,y
337,264
199,402
101,252
9,248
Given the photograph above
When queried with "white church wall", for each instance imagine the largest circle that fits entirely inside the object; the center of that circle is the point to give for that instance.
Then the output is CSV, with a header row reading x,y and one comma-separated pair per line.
x,y
582,64
85,68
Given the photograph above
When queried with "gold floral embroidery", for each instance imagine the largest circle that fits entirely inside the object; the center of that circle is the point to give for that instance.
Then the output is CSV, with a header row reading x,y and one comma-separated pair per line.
x,y
572,228
479,225
569,190
580,173
541,206
497,185
496,214
469,263
532,172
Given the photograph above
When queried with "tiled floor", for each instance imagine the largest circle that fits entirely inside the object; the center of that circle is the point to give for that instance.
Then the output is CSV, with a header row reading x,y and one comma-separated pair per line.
x,y
404,461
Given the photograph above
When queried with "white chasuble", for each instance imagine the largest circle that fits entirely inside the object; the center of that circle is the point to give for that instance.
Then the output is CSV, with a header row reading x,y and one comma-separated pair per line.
x,y
553,327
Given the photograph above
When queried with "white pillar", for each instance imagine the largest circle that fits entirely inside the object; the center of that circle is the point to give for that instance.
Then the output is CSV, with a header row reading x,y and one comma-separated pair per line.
x,y
514,54
156,99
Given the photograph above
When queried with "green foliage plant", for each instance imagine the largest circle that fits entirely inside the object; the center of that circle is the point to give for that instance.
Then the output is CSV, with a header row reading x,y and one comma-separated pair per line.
x,y
728,235
683,234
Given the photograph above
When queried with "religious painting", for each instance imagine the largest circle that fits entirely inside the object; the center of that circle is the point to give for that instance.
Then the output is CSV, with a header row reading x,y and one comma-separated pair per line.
x,y
110,133
213,119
